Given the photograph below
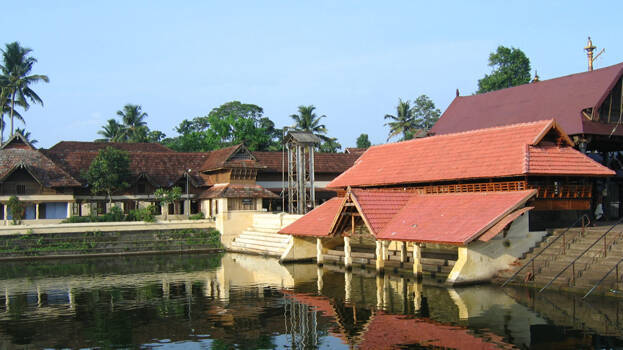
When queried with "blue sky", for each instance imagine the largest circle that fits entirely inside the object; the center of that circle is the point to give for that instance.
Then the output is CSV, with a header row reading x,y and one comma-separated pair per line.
x,y
351,59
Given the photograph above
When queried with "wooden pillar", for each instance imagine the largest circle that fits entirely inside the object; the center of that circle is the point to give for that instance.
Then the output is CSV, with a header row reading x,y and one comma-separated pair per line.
x,y
417,295
319,252
36,211
68,209
320,281
6,213
417,260
403,253
348,260
348,286
380,259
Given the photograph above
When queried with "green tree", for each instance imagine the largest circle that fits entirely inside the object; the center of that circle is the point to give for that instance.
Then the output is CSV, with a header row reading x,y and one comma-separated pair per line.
x,y
330,146
26,135
5,107
425,113
16,209
109,172
229,124
401,123
166,197
16,67
511,67
363,141
112,132
133,121
307,120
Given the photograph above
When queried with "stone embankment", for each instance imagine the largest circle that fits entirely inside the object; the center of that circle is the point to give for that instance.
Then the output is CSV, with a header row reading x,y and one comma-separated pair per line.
x,y
602,255
101,239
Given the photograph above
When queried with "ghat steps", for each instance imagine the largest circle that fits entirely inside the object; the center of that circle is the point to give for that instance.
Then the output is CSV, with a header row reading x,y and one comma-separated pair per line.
x,y
588,269
262,237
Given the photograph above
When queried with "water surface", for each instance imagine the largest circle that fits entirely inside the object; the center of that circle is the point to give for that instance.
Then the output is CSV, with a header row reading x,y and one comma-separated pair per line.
x,y
247,302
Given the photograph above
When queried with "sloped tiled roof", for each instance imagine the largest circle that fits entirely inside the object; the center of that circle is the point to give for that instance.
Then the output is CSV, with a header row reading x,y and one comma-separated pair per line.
x,y
317,222
37,164
323,162
220,158
237,191
72,146
163,169
453,218
487,153
562,98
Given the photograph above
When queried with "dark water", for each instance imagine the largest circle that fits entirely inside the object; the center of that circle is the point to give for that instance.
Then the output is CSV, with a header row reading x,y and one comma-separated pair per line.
x,y
247,302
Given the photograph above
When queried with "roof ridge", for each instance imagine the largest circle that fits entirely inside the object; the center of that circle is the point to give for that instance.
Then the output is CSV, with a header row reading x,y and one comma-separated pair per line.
x,y
474,131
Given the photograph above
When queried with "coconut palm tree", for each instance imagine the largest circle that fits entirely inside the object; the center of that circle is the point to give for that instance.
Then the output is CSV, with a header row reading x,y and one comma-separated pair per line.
x,y
5,108
112,132
307,120
133,122
403,122
16,67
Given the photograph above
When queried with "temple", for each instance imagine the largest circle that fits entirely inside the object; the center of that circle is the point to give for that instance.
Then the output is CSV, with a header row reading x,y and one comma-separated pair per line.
x,y
467,195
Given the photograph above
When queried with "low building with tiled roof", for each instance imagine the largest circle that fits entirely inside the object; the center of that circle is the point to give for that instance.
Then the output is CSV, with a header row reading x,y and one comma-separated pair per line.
x,y
472,190
51,182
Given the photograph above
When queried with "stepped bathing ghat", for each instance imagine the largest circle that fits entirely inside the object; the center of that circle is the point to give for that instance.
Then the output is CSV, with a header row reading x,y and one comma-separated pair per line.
x,y
468,203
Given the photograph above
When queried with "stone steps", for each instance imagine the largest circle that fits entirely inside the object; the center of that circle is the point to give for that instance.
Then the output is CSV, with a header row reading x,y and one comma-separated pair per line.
x,y
262,237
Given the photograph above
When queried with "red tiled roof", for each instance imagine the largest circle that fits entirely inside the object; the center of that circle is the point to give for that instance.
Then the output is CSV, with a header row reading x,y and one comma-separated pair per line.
x,y
73,146
220,158
379,207
323,162
453,218
355,150
317,222
162,169
487,153
562,98
237,191
386,331
497,228
37,164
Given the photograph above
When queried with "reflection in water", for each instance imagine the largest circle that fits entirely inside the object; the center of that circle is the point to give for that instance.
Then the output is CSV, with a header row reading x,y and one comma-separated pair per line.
x,y
253,302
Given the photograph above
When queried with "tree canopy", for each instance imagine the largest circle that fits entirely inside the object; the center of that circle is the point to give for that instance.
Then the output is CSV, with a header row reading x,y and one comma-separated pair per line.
x,y
229,124
363,141
131,128
510,66
412,121
306,120
16,81
109,172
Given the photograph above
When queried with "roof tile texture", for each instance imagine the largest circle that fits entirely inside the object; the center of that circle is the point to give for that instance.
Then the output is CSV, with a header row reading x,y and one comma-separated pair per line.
x,y
562,98
323,162
317,222
485,153
40,166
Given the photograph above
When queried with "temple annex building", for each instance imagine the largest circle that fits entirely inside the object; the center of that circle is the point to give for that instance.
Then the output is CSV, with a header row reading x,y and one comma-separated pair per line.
x,y
469,195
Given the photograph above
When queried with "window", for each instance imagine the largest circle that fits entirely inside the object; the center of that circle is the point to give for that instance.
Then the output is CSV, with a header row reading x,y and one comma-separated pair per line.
x,y
141,188
21,189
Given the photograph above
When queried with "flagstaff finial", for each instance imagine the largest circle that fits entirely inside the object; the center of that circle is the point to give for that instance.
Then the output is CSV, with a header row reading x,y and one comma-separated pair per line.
x,y
536,77
590,48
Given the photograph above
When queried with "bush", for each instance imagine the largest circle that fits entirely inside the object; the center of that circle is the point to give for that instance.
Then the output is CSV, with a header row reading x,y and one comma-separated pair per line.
x,y
198,216
16,209
115,214
142,214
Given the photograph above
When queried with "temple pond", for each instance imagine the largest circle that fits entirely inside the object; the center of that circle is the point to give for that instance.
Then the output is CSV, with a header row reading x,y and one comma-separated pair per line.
x,y
241,301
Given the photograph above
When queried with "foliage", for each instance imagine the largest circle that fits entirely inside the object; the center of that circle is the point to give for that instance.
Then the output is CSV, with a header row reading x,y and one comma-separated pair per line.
x,y
16,209
425,113
146,214
307,120
330,146
131,128
402,122
229,124
16,67
363,141
26,135
511,67
412,121
166,197
198,216
5,107
109,172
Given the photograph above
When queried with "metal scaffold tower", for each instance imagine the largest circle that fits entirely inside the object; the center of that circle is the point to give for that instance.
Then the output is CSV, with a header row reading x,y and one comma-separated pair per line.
x,y
301,192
